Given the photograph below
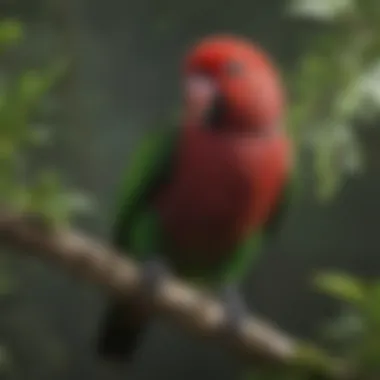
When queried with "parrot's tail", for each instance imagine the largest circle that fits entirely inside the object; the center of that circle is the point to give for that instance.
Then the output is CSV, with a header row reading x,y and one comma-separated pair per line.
x,y
122,330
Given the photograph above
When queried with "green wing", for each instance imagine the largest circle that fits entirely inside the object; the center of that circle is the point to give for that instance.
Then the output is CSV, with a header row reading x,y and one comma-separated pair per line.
x,y
149,168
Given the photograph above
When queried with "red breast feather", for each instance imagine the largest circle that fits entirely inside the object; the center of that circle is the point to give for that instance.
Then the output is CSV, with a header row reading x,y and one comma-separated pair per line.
x,y
222,189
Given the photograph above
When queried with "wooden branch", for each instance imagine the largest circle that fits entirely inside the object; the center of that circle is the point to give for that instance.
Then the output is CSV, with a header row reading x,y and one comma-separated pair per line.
x,y
184,304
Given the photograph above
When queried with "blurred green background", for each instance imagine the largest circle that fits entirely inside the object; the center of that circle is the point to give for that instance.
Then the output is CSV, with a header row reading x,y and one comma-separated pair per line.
x,y
81,81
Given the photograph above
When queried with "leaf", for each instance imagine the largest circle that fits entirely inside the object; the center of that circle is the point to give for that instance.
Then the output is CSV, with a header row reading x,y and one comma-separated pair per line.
x,y
7,148
371,309
321,9
21,98
11,32
32,85
49,198
45,196
348,326
327,175
309,359
336,155
341,286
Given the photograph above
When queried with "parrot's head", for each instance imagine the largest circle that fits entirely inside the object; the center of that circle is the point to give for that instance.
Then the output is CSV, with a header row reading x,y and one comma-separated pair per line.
x,y
231,86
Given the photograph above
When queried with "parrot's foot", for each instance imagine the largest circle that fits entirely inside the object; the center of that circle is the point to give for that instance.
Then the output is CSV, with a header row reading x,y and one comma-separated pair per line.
x,y
235,309
152,272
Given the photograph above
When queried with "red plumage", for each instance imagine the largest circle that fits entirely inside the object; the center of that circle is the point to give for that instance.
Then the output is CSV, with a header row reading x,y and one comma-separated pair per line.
x,y
256,96
222,189
226,183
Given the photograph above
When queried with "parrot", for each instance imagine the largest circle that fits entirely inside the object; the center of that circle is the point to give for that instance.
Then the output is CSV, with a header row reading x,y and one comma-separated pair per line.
x,y
199,198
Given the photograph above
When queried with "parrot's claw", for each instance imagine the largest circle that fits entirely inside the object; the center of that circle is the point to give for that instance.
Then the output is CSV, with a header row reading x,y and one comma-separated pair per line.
x,y
152,272
235,309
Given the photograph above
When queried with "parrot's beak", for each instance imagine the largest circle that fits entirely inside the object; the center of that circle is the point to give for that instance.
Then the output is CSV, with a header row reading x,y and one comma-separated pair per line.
x,y
200,95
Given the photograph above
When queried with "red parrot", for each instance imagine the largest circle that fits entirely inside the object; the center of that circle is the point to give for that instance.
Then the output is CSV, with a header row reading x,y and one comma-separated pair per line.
x,y
198,199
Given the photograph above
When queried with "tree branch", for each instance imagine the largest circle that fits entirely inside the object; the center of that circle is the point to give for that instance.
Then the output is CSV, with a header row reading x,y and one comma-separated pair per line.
x,y
191,308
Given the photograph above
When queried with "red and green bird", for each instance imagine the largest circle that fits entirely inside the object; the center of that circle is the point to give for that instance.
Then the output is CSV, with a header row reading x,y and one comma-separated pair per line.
x,y
199,198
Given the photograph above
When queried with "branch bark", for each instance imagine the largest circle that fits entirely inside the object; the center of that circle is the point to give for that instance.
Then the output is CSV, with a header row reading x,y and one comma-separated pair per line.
x,y
186,305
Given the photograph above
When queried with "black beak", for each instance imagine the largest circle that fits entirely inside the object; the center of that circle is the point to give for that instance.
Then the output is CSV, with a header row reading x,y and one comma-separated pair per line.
x,y
215,117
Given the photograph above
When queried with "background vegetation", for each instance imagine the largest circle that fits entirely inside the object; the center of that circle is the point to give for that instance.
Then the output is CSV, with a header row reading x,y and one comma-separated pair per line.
x,y
80,81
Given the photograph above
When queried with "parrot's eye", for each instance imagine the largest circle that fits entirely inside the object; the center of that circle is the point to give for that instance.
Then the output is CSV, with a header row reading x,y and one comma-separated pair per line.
x,y
234,68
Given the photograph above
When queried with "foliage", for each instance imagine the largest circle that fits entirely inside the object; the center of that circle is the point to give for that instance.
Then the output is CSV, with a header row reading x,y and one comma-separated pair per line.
x,y
335,86
335,90
353,337
356,333
19,99
24,189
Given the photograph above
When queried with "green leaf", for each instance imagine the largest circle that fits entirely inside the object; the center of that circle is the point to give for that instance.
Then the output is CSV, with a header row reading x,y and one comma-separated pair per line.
x,y
11,32
342,286
325,171
21,98
7,148
49,198
321,9
32,85
345,329
371,310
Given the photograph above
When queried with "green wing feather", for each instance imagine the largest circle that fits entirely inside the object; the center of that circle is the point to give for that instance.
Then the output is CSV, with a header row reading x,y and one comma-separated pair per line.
x,y
150,166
